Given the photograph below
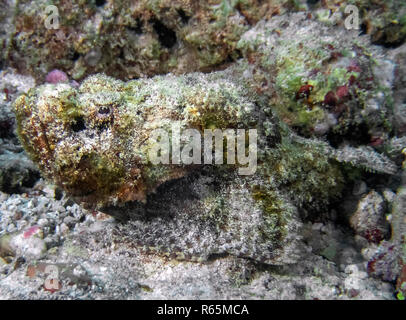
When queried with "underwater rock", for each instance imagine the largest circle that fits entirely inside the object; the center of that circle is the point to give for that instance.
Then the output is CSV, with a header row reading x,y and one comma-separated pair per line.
x,y
146,38
17,172
389,261
399,237
384,21
28,244
369,220
399,93
320,80
130,39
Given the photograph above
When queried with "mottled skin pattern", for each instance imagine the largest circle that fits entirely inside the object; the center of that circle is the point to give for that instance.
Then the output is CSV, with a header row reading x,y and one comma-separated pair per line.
x,y
94,141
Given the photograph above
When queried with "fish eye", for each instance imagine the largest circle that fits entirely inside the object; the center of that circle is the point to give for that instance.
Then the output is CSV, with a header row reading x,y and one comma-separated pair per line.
x,y
104,110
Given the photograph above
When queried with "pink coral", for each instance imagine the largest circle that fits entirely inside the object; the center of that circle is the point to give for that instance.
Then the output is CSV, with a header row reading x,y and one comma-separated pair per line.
x,y
56,76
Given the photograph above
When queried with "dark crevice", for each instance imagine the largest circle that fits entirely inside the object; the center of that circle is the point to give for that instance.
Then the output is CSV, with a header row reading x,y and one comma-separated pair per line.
x,y
121,56
363,29
216,256
14,181
384,42
100,3
58,194
166,36
356,135
183,16
391,37
312,3
234,56
6,128
75,56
